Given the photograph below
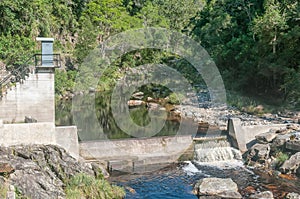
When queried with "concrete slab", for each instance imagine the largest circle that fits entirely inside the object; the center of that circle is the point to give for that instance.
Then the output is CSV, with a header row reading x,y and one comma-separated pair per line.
x,y
243,137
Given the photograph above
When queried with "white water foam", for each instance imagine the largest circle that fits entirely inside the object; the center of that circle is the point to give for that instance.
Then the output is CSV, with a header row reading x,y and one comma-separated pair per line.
x,y
190,169
218,153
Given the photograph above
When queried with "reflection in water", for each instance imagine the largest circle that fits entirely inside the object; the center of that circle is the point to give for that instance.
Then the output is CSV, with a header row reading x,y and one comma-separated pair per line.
x,y
89,130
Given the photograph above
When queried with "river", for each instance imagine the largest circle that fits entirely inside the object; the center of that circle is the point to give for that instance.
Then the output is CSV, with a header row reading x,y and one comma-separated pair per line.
x,y
176,180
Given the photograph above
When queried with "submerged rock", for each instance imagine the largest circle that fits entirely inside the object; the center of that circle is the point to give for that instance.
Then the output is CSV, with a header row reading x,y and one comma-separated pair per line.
x,y
217,187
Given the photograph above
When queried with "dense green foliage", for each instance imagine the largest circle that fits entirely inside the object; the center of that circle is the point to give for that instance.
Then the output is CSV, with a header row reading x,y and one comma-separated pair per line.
x,y
254,43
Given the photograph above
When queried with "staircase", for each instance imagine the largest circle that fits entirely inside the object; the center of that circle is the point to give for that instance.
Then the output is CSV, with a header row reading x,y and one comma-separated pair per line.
x,y
28,90
18,74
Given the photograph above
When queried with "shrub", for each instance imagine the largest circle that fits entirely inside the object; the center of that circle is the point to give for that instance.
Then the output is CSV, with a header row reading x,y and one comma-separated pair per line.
x,y
281,157
175,98
82,185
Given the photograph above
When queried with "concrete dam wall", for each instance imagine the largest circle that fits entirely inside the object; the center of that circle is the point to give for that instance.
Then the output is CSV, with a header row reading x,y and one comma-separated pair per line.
x,y
35,98
129,153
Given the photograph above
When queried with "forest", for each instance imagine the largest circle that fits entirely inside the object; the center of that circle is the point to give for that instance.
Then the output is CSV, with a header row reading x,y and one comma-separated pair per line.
x,y
254,43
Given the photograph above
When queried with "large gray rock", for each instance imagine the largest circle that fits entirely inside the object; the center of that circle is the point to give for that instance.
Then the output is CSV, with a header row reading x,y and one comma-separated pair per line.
x,y
217,187
291,165
259,153
262,195
265,138
134,103
29,119
280,140
138,95
40,171
293,145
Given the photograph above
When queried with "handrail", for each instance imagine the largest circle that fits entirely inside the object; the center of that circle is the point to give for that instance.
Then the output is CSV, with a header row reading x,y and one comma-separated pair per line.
x,y
55,59
23,70
19,72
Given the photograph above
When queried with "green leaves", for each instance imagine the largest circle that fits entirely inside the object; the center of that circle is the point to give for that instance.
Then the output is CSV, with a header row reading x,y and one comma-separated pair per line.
x,y
253,44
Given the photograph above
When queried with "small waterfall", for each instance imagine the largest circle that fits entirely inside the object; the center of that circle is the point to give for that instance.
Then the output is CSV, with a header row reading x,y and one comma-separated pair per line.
x,y
215,151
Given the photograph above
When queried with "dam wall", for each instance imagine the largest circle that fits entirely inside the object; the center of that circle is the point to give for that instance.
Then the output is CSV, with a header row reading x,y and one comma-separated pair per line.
x,y
34,97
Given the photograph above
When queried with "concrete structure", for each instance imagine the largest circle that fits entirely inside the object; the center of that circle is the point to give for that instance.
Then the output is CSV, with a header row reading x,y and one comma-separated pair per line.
x,y
35,98
47,51
132,154
40,133
243,137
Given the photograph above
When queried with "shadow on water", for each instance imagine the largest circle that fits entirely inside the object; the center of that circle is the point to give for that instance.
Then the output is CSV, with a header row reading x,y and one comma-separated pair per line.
x,y
109,128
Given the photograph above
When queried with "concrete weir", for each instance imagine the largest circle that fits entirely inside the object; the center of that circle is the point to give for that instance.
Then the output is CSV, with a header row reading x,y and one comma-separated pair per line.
x,y
243,137
134,154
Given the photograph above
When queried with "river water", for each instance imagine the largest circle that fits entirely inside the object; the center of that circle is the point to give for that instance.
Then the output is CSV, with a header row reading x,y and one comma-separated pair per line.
x,y
176,181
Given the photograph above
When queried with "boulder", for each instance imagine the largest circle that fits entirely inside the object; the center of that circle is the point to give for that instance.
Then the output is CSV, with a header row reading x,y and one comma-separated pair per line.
x,y
150,99
138,95
292,196
6,168
134,103
262,195
217,187
152,105
265,138
293,145
280,140
291,165
259,153
41,170
295,136
29,119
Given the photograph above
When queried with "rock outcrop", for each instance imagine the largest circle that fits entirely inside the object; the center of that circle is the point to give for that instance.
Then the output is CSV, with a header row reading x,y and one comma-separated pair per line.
x,y
40,171
292,196
262,195
259,153
217,188
292,165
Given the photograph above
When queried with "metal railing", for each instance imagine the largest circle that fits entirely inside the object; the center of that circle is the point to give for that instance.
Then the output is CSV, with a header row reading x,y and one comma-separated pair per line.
x,y
20,72
47,60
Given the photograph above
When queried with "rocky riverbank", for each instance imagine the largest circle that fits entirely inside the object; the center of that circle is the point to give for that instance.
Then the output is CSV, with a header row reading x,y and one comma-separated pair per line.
x,y
275,155
42,171
219,188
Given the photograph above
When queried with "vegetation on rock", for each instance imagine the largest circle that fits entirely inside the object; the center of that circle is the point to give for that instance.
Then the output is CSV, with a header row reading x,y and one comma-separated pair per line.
x,y
82,185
